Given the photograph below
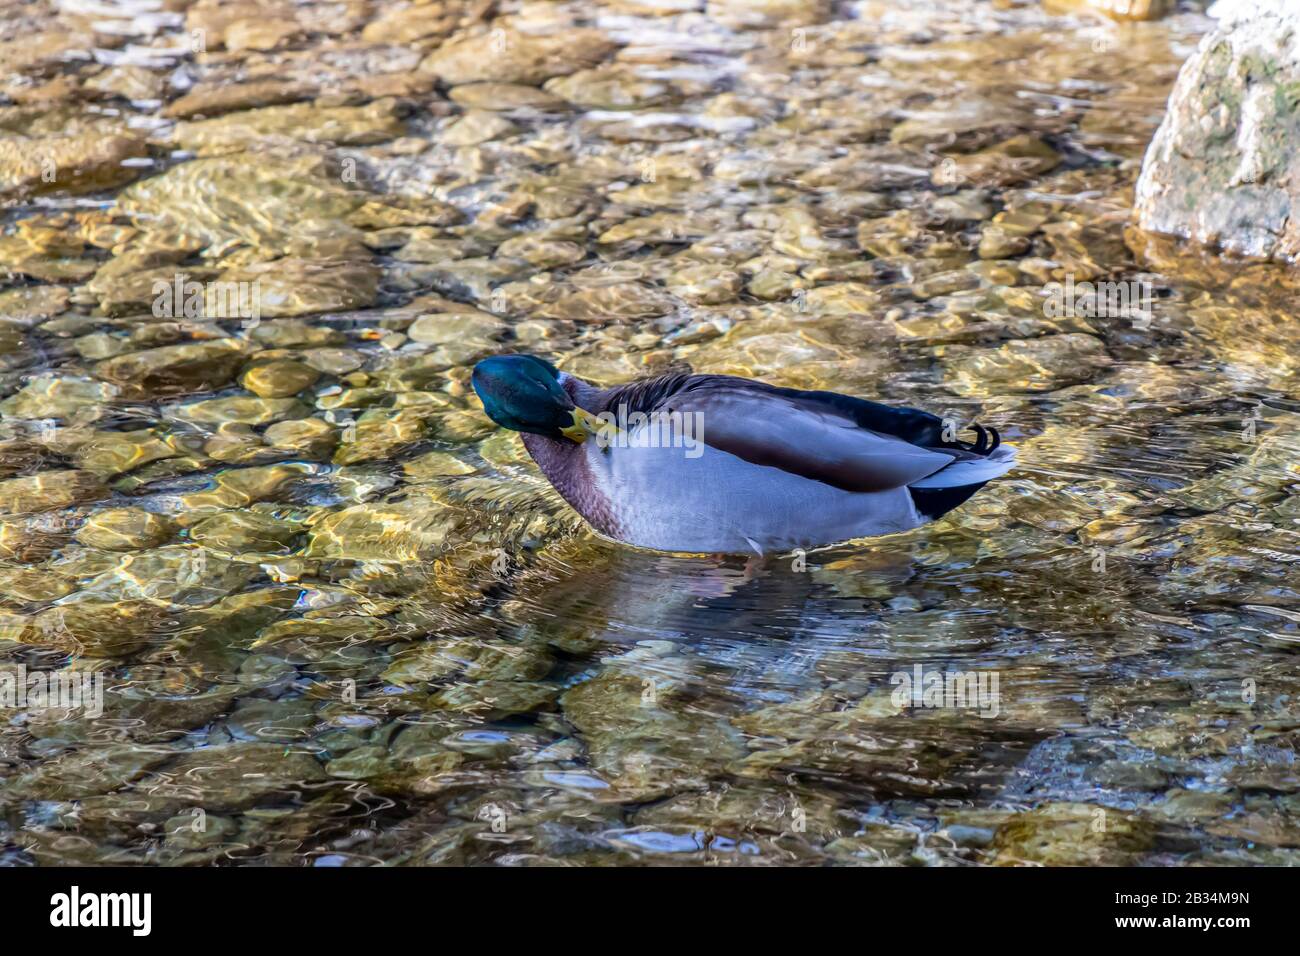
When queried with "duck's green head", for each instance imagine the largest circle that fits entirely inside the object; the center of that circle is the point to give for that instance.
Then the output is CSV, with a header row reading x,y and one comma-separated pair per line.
x,y
524,394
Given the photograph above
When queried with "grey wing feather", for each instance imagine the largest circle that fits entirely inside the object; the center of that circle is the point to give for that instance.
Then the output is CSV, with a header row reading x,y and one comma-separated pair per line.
x,y
803,437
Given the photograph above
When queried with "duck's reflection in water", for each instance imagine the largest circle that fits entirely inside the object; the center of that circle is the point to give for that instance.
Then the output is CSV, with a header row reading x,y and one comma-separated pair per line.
x,y
713,671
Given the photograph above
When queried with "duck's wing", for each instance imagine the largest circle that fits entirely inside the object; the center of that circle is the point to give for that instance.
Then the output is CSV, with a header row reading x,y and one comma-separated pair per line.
x,y
841,441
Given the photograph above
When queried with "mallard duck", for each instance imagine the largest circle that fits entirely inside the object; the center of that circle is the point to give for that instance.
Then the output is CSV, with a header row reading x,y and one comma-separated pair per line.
x,y
720,464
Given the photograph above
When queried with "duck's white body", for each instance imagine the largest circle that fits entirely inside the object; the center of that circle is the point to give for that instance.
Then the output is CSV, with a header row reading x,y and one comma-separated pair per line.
x,y
718,503
717,464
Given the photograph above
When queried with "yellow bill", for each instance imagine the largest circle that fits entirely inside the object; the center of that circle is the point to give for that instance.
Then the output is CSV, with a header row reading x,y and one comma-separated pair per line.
x,y
584,424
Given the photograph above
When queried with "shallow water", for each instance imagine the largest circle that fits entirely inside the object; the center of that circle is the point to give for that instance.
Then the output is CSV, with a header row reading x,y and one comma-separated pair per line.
x,y
341,620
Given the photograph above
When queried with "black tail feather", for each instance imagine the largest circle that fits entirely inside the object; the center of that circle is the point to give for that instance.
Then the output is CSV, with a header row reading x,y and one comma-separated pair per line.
x,y
934,502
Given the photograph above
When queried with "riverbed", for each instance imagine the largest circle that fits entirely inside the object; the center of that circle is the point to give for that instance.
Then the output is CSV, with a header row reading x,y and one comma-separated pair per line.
x,y
336,616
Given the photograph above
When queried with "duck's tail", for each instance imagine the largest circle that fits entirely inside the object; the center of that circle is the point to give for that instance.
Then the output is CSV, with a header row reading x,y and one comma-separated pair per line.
x,y
998,460
950,486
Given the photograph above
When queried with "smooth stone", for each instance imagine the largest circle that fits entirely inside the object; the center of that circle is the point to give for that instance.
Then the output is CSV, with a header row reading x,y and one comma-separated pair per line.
x,y
1015,160
49,395
109,454
454,327
611,88
80,163
294,333
311,437
278,379
213,99
504,96
172,369
372,123
126,529
241,409
239,531
436,464
50,491
476,127
507,56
